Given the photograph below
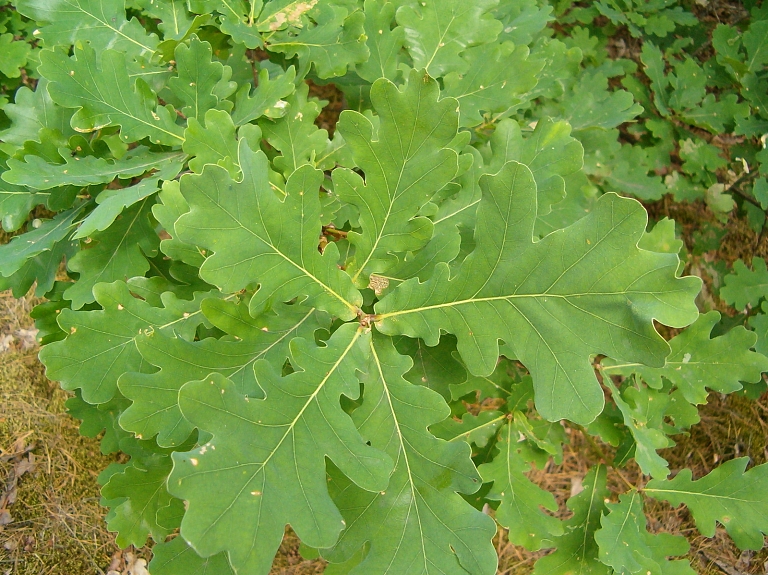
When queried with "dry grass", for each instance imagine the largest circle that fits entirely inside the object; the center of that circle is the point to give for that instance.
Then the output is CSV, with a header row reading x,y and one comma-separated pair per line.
x,y
57,523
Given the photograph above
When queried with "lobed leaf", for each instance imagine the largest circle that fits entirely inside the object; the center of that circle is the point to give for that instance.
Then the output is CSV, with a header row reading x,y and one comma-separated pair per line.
x,y
101,344
155,408
252,234
104,95
576,549
728,494
698,362
266,460
746,287
419,523
406,161
103,23
583,290
627,546
437,32
521,500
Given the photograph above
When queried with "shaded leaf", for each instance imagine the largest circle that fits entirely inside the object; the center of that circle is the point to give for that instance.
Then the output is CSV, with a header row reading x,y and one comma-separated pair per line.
x,y
745,287
576,549
520,499
117,253
42,237
34,172
177,556
405,163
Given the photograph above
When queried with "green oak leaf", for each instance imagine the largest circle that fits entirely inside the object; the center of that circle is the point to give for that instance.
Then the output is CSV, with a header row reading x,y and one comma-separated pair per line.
x,y
201,83
643,410
170,208
498,77
715,115
653,60
436,32
155,408
728,494
280,444
40,269
101,344
628,174
384,42
176,556
745,287
688,84
576,549
521,500
174,20
112,202
104,95
233,318
46,313
117,253
98,418
13,55
143,492
335,43
419,524
433,367
406,161
213,143
627,546
550,152
33,111
582,290
246,226
267,100
503,383
34,172
295,135
759,323
43,236
756,44
478,429
698,362
522,20
103,23
245,20
592,105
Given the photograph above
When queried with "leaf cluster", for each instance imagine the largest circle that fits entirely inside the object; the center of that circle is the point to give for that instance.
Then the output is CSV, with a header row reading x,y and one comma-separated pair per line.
x,y
373,336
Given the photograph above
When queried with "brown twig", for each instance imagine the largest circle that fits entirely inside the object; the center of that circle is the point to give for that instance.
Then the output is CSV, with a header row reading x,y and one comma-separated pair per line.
x,y
331,231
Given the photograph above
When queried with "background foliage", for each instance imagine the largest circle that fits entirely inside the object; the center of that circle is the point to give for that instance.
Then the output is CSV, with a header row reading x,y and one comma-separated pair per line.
x,y
216,241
